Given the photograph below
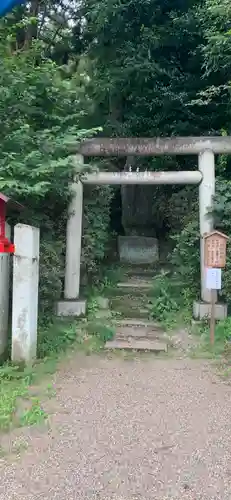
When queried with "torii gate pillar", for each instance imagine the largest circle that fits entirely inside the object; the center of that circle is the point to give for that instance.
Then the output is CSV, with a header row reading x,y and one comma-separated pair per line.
x,y
206,164
72,305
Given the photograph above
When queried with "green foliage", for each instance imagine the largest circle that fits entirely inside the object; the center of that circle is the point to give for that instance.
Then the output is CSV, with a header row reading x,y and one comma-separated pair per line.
x,y
214,21
56,337
165,298
95,227
34,415
41,114
18,407
9,393
45,116
12,372
51,268
223,330
185,257
222,214
170,303
221,347
102,331
146,68
216,17
147,65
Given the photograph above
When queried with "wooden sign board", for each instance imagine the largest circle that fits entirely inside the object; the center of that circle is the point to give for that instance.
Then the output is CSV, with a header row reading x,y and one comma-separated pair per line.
x,y
215,249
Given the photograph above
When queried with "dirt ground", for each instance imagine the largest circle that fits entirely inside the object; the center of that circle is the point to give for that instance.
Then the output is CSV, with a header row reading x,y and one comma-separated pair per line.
x,y
126,430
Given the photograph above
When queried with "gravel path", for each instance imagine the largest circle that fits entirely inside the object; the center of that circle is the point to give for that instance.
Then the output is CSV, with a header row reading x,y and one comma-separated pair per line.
x,y
129,430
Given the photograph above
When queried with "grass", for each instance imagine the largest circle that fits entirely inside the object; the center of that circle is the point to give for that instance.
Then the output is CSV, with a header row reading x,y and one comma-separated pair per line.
x,y
222,347
224,372
18,407
201,333
172,308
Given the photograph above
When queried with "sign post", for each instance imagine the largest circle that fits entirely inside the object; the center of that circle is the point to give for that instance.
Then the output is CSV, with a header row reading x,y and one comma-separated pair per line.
x,y
215,259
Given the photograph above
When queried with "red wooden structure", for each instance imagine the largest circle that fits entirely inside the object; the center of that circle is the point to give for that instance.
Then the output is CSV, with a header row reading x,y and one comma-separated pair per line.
x,y
5,245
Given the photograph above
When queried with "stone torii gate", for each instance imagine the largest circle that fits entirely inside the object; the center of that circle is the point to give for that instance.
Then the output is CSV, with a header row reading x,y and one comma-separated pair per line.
x,y
204,147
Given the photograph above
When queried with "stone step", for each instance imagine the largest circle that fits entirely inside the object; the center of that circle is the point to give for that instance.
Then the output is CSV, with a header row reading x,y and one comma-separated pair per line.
x,y
145,270
136,282
137,345
131,307
128,311
136,286
138,332
129,301
137,322
133,287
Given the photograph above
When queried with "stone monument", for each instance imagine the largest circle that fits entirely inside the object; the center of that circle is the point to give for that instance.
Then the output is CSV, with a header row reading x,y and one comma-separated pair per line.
x,y
139,245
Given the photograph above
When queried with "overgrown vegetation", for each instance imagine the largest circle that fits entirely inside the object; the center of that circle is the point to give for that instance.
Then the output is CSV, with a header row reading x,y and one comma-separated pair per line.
x,y
130,68
171,306
170,303
42,111
164,68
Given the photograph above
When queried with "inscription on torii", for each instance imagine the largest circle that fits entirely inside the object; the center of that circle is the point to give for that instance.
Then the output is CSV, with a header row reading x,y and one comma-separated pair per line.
x,y
143,146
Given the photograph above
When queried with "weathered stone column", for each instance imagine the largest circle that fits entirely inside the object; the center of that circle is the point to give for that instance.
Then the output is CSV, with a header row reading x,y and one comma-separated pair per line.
x,y
25,294
206,194
71,306
202,309
73,243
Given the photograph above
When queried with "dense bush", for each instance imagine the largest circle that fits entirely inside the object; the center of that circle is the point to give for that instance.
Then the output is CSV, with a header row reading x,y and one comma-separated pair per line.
x,y
40,114
186,254
222,215
147,69
97,203
185,258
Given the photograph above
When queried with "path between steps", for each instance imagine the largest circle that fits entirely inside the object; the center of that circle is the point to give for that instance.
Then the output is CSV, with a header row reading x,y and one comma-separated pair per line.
x,y
128,430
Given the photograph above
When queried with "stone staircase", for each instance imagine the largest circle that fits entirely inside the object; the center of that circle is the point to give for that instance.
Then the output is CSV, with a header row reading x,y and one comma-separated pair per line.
x,y
130,300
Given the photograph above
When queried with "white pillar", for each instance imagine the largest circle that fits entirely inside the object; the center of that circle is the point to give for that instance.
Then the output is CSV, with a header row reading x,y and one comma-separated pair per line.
x,y
4,295
25,293
206,193
74,240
